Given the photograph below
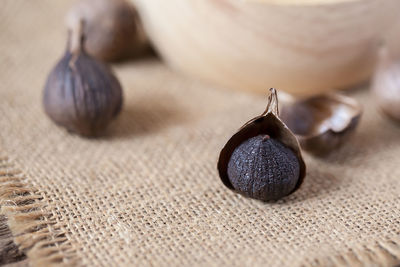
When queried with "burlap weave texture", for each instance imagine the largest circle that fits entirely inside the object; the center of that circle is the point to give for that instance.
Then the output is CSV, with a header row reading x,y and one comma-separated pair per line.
x,y
148,193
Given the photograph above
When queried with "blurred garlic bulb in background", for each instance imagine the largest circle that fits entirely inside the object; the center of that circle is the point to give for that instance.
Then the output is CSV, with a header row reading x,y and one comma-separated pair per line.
x,y
386,83
113,29
82,94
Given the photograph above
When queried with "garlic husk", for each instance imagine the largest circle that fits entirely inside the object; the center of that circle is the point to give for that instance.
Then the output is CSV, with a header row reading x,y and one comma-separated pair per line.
x,y
322,123
385,84
268,123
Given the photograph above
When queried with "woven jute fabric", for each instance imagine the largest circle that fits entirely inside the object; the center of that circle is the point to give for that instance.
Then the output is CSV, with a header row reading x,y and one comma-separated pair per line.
x,y
148,192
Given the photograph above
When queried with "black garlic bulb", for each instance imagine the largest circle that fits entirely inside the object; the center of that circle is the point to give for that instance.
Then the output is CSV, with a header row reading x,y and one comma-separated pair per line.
x,y
263,159
260,162
81,93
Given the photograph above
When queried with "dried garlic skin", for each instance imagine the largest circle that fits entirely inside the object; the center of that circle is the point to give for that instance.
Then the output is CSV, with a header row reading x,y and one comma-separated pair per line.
x,y
263,159
263,168
81,93
322,123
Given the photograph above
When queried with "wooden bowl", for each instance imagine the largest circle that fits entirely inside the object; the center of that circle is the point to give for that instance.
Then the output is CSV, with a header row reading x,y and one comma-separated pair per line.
x,y
303,49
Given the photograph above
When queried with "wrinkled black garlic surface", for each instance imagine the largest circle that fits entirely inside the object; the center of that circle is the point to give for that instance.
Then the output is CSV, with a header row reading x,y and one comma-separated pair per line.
x,y
81,93
263,168
263,159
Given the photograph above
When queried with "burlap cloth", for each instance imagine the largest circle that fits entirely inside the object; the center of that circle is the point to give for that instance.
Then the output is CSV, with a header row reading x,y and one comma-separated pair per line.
x,y
149,194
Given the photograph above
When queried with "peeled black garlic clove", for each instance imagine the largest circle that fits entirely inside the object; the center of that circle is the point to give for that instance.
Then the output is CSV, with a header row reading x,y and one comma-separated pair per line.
x,y
263,159
322,123
113,29
386,84
81,93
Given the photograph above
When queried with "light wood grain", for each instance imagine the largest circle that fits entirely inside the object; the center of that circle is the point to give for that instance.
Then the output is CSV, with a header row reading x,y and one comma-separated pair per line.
x,y
302,49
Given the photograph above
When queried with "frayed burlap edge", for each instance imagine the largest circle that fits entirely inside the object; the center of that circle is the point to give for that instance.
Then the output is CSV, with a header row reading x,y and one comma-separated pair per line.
x,y
9,252
385,252
40,237
34,230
